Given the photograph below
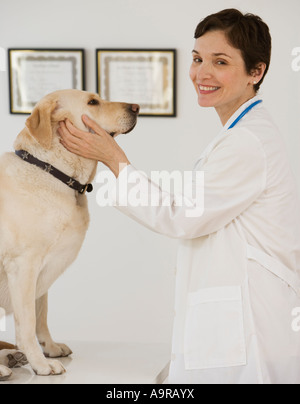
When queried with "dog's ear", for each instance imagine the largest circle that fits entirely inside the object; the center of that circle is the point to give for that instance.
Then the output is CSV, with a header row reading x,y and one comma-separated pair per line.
x,y
39,123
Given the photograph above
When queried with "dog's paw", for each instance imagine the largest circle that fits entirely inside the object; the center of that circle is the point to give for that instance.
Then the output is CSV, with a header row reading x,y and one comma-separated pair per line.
x,y
5,373
54,350
12,358
50,368
16,359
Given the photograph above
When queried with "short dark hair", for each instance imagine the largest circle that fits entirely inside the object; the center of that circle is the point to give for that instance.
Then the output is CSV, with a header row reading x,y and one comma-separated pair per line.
x,y
248,33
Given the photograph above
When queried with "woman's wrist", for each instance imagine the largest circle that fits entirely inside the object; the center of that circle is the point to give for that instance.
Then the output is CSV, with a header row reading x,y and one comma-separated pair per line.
x,y
119,162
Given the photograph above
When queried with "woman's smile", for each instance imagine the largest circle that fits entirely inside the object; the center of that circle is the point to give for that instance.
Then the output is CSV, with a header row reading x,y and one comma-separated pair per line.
x,y
206,89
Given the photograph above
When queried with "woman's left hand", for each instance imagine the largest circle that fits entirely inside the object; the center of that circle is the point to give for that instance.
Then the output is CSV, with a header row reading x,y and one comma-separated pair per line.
x,y
99,146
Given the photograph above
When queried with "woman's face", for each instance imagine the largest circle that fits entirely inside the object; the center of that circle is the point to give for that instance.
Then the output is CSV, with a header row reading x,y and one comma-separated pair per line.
x,y
219,75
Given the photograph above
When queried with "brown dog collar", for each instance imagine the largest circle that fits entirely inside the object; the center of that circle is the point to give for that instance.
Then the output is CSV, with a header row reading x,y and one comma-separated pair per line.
x,y
70,182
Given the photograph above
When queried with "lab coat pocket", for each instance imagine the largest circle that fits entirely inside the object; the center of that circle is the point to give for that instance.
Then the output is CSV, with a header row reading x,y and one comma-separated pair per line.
x,y
214,331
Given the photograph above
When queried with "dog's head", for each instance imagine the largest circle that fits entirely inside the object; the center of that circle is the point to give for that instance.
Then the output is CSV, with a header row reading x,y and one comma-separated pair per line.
x,y
115,118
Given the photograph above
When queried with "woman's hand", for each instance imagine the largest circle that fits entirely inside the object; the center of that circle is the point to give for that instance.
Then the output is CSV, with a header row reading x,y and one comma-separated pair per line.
x,y
99,146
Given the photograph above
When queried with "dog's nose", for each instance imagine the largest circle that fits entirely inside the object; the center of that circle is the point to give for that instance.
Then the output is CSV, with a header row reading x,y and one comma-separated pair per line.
x,y
135,108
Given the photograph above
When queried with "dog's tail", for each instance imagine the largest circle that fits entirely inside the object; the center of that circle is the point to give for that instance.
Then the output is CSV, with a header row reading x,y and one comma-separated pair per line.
x,y
5,345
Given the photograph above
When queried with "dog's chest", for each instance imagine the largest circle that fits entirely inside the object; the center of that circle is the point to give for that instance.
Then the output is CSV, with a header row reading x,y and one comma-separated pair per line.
x,y
64,248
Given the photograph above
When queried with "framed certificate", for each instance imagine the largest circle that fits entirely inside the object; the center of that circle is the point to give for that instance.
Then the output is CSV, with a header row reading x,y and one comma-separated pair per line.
x,y
34,73
144,77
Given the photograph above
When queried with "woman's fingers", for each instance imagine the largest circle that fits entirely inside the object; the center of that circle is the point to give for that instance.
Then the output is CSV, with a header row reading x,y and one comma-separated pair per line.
x,y
99,146
92,125
68,140
74,131
79,142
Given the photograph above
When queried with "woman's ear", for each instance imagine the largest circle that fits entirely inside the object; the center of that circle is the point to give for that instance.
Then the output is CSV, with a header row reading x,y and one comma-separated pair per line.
x,y
39,123
258,72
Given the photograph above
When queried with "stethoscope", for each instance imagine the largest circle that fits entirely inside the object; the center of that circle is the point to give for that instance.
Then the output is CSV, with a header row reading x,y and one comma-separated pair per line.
x,y
241,116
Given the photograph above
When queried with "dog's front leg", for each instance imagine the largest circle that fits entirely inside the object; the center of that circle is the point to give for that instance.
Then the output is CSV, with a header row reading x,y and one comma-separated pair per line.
x,y
22,287
50,348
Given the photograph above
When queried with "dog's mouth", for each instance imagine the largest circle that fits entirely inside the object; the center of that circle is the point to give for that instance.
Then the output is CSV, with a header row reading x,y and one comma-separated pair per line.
x,y
113,134
130,130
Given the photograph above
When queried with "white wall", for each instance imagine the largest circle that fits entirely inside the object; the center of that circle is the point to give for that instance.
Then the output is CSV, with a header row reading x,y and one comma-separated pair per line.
x,y
121,288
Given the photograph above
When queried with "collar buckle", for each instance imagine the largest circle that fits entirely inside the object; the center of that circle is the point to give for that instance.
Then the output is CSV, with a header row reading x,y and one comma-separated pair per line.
x,y
87,188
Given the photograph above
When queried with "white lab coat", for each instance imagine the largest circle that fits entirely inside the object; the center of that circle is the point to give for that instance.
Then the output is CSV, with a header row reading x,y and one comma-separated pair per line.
x,y
238,269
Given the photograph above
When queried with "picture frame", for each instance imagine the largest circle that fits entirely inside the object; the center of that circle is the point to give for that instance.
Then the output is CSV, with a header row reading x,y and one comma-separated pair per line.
x,y
33,73
140,76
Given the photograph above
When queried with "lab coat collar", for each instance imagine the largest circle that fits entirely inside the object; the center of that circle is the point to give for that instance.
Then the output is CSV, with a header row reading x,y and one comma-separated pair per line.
x,y
212,144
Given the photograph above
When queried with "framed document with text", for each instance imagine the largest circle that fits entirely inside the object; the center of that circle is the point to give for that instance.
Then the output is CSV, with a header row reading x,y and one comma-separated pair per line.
x,y
144,77
34,73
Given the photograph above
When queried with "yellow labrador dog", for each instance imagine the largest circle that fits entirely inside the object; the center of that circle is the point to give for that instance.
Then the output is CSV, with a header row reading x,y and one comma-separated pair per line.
x,y
44,217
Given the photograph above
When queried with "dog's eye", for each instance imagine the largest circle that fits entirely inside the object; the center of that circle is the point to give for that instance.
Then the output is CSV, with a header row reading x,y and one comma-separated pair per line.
x,y
94,102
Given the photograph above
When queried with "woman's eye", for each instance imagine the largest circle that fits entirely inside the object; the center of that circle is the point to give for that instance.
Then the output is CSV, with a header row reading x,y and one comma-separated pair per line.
x,y
197,60
94,102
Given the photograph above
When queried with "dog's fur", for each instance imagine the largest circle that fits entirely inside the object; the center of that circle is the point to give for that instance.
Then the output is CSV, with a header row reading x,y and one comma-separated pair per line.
x,y
43,221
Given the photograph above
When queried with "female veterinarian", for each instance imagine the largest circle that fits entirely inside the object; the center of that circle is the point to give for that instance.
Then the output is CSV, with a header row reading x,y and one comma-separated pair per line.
x,y
238,277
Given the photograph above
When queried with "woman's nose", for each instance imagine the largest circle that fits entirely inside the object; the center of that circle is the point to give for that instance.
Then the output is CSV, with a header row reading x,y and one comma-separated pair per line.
x,y
203,72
